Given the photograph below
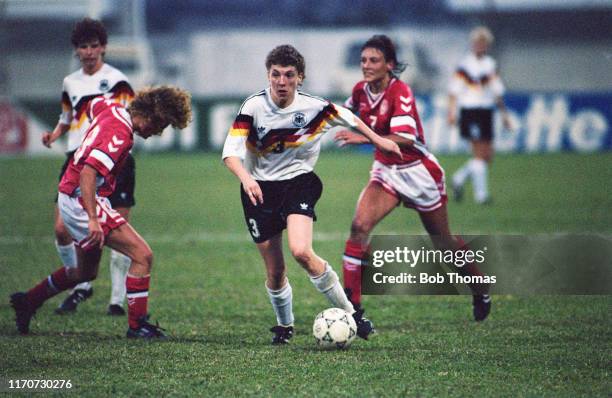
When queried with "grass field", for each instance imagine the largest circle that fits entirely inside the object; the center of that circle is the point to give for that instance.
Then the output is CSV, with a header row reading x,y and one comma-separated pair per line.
x,y
207,291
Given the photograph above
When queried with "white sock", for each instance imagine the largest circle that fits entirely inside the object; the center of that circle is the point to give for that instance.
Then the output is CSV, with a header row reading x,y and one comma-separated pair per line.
x,y
329,284
461,175
119,266
67,254
479,177
282,302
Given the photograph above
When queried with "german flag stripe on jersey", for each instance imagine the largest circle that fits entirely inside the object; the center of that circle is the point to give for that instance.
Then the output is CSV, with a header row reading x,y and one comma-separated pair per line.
x,y
241,126
316,125
292,137
66,106
120,93
463,75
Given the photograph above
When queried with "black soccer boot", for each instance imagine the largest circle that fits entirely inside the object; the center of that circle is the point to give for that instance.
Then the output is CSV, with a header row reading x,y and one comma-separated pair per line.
x,y
282,334
457,192
115,310
365,328
482,306
146,330
71,302
23,311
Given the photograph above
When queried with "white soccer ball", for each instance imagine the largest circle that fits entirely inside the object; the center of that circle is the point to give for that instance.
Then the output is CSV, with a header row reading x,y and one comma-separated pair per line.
x,y
334,328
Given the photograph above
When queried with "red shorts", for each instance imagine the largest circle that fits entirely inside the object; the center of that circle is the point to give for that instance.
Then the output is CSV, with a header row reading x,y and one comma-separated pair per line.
x,y
419,185
76,221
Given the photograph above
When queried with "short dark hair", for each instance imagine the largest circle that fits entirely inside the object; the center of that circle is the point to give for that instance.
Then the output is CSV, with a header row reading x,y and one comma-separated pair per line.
x,y
385,45
287,55
87,30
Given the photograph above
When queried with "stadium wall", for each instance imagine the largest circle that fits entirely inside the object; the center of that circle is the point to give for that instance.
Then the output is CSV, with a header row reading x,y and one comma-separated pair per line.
x,y
542,122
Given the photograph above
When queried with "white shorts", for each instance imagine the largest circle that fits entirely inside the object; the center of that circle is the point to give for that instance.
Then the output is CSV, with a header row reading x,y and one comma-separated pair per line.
x,y
419,185
76,221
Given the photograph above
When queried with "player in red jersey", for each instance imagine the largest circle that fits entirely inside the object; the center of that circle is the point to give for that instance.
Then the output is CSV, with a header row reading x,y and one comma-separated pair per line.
x,y
416,180
94,78
86,210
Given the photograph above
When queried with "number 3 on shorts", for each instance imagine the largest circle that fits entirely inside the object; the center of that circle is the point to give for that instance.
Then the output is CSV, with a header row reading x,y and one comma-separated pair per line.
x,y
254,231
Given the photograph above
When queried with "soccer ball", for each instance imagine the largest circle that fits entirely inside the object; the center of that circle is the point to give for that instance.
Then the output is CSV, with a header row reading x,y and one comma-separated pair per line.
x,y
334,328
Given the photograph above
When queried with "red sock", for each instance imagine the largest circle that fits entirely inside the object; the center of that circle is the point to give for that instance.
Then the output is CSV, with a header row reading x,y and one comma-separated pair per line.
x,y
49,287
352,261
137,298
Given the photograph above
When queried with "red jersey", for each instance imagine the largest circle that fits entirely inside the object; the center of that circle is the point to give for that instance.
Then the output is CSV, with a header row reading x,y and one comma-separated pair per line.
x,y
393,111
105,146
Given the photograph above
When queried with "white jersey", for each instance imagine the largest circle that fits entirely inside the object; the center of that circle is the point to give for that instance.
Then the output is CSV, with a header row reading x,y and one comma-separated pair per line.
x,y
476,83
80,88
281,143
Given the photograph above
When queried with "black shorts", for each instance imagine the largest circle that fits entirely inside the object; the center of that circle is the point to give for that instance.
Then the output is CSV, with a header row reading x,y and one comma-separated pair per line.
x,y
123,195
69,156
476,124
298,195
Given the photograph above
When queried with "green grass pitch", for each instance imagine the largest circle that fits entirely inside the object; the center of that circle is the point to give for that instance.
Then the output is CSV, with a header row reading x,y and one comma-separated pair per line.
x,y
208,292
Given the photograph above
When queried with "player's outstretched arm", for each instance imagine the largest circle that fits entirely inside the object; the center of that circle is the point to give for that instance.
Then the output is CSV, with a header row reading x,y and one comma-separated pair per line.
x,y
250,186
49,138
384,144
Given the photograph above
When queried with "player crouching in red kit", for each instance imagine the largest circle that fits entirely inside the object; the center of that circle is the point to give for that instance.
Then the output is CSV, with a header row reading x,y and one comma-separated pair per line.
x,y
87,212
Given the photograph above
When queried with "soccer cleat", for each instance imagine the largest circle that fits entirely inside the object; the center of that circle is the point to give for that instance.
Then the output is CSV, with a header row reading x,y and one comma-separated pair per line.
x,y
23,311
364,326
71,302
146,330
115,310
282,334
457,192
488,201
482,306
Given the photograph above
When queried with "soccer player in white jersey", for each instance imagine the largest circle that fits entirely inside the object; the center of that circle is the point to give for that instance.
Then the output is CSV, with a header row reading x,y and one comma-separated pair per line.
x,y
414,179
93,79
272,148
476,89
87,213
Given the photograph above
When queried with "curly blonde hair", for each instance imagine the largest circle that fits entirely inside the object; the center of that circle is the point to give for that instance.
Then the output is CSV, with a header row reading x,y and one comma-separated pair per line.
x,y
163,106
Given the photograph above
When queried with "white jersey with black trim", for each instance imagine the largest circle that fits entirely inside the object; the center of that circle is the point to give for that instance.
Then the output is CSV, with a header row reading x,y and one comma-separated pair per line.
x,y
281,143
476,83
80,88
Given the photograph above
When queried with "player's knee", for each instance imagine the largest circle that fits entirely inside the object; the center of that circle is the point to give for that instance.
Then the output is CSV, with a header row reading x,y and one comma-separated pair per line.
x,y
147,256
301,253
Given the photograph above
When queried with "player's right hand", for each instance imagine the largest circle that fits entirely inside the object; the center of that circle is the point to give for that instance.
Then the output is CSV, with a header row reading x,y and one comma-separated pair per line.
x,y
253,191
95,239
388,146
46,139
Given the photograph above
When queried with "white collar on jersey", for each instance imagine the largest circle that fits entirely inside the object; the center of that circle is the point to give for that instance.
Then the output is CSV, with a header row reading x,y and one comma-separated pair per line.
x,y
374,99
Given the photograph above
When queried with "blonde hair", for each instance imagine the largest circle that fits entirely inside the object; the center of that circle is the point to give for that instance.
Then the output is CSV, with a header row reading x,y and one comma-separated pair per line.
x,y
163,106
481,32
